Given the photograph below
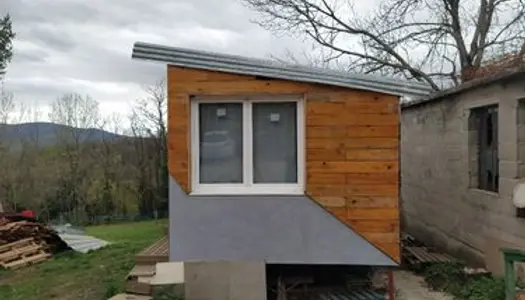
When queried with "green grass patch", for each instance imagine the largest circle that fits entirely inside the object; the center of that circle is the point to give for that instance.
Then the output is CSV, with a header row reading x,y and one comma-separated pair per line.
x,y
96,275
450,278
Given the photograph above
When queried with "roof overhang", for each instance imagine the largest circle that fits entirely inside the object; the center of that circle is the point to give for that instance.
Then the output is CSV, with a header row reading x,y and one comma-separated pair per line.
x,y
210,61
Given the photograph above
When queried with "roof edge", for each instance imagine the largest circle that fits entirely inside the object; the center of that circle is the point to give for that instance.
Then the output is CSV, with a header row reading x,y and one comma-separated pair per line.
x,y
205,60
467,86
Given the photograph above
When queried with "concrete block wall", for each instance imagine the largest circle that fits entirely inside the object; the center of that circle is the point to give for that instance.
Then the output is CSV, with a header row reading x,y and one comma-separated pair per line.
x,y
440,202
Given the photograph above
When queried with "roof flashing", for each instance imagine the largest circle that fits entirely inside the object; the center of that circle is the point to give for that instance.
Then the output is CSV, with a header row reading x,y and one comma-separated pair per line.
x,y
211,61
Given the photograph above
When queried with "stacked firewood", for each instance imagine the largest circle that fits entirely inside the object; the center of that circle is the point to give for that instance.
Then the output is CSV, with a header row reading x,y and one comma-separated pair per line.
x,y
42,234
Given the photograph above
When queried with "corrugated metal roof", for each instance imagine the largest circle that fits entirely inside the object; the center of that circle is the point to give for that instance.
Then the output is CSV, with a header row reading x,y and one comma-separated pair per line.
x,y
82,243
351,295
190,58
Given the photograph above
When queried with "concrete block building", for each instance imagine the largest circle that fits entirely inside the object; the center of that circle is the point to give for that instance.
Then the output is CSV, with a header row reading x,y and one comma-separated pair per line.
x,y
462,155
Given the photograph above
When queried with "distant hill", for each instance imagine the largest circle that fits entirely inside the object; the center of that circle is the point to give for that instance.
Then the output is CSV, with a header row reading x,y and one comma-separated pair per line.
x,y
49,134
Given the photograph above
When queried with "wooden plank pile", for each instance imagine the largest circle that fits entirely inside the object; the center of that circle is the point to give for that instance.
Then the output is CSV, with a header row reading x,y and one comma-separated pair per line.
x,y
24,243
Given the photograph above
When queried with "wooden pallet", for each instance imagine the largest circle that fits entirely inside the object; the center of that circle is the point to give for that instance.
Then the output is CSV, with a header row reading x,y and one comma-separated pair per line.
x,y
26,261
22,253
16,245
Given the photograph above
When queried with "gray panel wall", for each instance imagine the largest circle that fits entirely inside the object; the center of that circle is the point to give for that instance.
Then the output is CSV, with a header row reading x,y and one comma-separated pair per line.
x,y
439,204
287,229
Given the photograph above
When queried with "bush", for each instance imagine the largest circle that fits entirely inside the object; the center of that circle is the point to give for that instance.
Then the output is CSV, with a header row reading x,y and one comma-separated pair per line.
x,y
450,278
484,288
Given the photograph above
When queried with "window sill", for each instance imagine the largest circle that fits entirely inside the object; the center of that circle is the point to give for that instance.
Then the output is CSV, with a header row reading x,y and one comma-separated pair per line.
x,y
490,193
270,189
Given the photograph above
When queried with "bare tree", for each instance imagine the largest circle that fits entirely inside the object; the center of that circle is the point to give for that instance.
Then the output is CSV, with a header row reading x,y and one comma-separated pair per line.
x,y
31,177
432,41
7,105
148,121
79,115
110,169
15,155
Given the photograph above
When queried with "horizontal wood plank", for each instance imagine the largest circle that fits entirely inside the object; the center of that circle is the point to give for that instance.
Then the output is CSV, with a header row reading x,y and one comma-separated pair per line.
x,y
325,143
191,75
367,97
244,87
371,143
314,179
381,237
372,178
354,120
373,214
355,201
373,119
326,108
372,107
373,190
369,131
331,201
375,226
372,154
338,167
313,154
324,190
330,132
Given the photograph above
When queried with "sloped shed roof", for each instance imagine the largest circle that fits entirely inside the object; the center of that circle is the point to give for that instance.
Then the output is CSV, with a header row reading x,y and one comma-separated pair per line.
x,y
211,61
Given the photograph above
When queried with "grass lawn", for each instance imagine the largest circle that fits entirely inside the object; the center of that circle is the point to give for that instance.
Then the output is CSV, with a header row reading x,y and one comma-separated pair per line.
x,y
93,276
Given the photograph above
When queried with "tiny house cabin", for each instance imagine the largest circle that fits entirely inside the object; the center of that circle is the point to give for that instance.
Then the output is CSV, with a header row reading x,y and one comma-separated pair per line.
x,y
282,165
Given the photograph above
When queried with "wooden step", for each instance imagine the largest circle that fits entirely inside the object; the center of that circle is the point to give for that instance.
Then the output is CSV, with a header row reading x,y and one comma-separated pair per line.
x,y
156,253
139,288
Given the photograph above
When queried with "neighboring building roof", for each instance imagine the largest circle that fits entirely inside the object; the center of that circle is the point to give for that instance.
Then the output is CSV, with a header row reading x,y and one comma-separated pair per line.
x,y
273,229
469,85
249,66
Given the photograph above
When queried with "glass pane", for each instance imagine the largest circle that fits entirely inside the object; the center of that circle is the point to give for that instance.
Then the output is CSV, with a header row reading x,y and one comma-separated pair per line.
x,y
220,142
275,142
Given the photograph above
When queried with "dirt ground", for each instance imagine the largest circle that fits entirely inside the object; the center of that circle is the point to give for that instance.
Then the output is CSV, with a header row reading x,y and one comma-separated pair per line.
x,y
412,287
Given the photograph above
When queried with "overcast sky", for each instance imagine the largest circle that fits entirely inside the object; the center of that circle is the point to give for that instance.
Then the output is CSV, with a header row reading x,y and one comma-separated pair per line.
x,y
85,46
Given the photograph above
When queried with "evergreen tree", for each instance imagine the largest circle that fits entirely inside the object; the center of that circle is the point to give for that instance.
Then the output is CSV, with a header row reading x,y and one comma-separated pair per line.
x,y
6,43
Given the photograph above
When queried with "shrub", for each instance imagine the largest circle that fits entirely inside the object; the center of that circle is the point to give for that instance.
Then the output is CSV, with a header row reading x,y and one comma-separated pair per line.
x,y
450,278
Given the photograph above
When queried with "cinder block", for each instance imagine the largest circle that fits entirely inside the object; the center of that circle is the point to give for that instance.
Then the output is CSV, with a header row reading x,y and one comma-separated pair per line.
x,y
506,187
508,151
508,169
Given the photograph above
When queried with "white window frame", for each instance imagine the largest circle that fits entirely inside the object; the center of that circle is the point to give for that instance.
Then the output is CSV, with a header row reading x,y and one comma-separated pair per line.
x,y
247,187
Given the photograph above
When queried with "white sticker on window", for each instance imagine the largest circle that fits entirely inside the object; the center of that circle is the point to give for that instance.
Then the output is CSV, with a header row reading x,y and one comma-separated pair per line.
x,y
275,117
221,112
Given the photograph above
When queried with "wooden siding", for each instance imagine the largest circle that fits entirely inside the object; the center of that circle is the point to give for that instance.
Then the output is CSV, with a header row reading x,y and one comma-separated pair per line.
x,y
352,144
